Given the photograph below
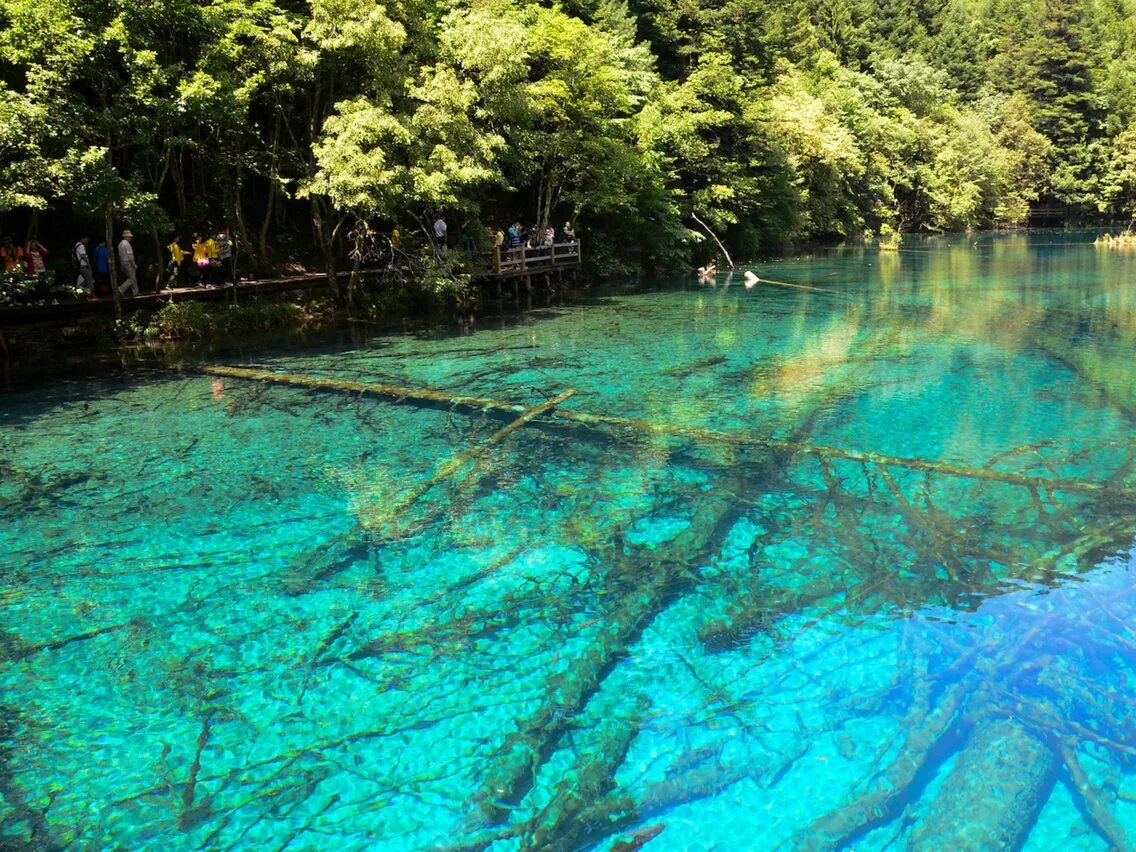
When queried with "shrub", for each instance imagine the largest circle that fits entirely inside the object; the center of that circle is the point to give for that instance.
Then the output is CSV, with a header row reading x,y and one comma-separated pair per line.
x,y
180,320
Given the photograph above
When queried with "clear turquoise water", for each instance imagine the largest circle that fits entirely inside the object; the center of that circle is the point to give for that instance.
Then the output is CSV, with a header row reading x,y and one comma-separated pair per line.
x,y
236,616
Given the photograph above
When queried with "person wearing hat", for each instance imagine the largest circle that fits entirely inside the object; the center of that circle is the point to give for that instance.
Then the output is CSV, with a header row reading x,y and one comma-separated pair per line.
x,y
129,267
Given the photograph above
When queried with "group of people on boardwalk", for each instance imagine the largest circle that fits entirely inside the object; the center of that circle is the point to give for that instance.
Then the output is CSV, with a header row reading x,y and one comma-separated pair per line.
x,y
518,236
208,262
513,237
93,266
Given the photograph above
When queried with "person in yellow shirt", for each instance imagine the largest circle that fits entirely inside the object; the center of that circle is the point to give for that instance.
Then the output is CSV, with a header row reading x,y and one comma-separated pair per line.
x,y
176,266
396,237
200,260
214,256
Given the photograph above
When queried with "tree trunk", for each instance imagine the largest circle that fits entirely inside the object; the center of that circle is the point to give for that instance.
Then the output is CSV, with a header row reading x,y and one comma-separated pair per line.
x,y
273,181
993,794
112,258
179,183
158,254
326,240
706,227
546,213
353,281
540,195
241,233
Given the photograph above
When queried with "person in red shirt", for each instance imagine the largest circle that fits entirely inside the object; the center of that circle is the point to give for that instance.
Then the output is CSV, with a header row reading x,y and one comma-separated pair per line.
x,y
36,255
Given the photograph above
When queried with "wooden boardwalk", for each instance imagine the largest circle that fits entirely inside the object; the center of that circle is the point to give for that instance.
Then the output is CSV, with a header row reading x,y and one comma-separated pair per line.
x,y
522,262
21,314
516,265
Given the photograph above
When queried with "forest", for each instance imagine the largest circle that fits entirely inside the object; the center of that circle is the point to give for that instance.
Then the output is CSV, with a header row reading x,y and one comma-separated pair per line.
x,y
662,128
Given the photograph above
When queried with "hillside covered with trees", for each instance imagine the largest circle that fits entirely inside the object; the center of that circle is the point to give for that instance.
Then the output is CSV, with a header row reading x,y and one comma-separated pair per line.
x,y
654,125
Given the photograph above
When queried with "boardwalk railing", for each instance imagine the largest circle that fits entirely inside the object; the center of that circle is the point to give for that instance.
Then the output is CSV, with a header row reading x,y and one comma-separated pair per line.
x,y
510,261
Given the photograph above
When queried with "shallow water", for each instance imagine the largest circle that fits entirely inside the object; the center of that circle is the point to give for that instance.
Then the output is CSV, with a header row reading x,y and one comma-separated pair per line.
x,y
854,568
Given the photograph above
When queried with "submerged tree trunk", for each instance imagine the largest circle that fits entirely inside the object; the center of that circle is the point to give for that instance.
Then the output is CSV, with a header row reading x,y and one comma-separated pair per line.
x,y
993,794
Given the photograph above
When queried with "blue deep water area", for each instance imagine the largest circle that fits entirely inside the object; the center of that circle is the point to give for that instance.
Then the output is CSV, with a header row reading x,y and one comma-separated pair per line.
x,y
839,559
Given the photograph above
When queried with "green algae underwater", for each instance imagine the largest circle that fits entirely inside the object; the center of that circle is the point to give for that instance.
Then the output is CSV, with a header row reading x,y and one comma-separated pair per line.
x,y
847,564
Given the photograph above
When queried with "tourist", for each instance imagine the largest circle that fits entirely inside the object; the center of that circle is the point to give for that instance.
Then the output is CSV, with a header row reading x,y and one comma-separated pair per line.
x,y
467,240
396,237
84,277
226,271
101,257
200,260
440,232
498,238
128,265
176,267
516,235
36,255
214,267
568,233
549,236
12,255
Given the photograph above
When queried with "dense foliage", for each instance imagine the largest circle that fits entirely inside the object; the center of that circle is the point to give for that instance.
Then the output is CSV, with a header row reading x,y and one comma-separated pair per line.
x,y
655,125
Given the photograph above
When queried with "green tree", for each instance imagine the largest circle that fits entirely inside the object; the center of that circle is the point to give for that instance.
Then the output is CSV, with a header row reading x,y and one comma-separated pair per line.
x,y
958,48
1120,185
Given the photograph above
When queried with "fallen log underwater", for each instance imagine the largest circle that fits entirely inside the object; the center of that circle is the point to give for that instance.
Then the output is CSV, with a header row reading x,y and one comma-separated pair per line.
x,y
993,794
437,399
646,595
746,604
1009,748
1024,767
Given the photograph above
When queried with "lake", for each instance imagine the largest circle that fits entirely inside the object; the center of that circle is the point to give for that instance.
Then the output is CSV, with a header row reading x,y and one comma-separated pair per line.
x,y
843,558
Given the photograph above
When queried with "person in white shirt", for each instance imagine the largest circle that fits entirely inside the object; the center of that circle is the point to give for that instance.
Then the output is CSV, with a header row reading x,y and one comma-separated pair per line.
x,y
86,278
440,232
127,264
225,253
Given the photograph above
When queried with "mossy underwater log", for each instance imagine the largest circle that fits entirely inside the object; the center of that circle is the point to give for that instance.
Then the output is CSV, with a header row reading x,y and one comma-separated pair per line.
x,y
653,579
437,399
452,466
353,546
525,750
748,606
993,794
395,393
562,824
880,803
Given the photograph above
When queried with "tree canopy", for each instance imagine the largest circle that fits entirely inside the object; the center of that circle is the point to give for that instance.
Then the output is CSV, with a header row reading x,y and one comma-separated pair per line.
x,y
658,126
